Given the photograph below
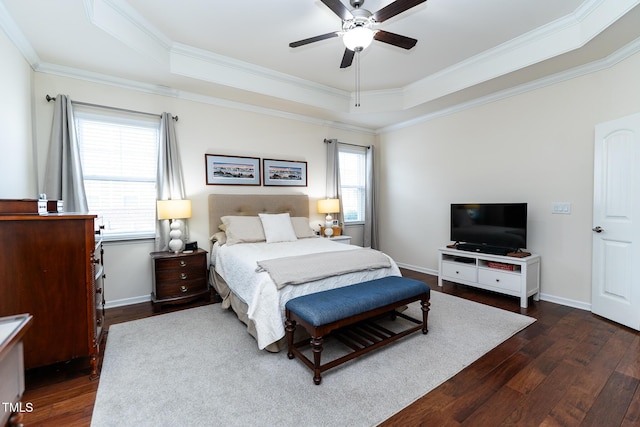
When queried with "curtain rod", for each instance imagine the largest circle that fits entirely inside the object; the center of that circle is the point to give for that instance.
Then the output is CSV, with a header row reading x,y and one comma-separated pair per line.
x,y
86,104
329,141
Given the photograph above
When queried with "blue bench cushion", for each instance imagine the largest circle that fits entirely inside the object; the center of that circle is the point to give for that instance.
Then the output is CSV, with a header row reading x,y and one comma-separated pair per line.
x,y
325,307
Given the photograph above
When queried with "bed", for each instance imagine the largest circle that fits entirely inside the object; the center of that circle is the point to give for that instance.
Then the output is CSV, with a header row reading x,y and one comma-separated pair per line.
x,y
243,262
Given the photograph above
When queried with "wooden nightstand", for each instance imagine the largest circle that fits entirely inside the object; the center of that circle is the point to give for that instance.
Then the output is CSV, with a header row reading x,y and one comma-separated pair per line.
x,y
179,278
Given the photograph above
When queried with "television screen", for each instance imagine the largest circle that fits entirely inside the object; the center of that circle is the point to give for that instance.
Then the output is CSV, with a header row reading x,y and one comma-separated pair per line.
x,y
493,224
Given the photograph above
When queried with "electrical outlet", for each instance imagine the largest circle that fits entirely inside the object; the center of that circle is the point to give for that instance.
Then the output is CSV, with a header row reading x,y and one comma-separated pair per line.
x,y
563,208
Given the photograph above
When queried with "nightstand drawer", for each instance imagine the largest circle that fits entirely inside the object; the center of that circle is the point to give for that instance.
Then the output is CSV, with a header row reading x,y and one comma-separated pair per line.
x,y
181,263
181,288
177,275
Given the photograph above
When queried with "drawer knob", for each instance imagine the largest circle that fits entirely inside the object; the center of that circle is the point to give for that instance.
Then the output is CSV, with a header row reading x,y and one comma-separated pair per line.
x,y
183,289
497,280
183,276
182,263
457,272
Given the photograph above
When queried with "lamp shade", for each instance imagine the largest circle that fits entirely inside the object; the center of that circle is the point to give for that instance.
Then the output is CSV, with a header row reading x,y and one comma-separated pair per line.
x,y
328,206
174,209
358,37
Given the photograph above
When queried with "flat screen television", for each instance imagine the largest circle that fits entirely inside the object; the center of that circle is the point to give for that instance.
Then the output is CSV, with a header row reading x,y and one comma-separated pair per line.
x,y
497,228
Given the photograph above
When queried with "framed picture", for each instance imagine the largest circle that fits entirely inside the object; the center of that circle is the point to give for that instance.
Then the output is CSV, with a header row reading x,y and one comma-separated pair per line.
x,y
284,173
232,170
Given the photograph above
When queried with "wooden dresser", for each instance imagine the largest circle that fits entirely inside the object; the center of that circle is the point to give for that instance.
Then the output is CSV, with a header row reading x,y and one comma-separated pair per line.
x,y
51,266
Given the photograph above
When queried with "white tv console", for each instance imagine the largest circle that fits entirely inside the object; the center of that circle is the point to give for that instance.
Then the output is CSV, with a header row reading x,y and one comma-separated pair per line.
x,y
519,277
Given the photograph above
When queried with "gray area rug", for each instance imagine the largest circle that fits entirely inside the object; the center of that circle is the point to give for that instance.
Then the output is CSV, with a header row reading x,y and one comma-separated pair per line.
x,y
199,367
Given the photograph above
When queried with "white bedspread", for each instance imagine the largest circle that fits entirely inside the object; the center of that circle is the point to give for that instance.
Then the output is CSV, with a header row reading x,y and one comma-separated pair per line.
x,y
236,264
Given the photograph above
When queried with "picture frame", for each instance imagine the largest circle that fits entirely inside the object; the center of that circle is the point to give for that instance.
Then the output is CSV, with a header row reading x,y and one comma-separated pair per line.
x,y
232,170
284,173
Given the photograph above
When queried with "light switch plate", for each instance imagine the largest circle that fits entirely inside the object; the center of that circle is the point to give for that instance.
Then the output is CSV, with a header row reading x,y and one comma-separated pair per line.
x,y
563,208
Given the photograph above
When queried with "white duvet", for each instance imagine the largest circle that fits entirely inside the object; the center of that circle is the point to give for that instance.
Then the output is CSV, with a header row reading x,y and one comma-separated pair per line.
x,y
236,264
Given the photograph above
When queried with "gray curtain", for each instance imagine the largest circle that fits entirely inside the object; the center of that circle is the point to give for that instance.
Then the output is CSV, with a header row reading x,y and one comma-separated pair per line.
x,y
170,181
333,190
371,209
63,178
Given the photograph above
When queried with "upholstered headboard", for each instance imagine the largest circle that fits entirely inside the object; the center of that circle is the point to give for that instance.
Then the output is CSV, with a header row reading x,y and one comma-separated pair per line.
x,y
253,204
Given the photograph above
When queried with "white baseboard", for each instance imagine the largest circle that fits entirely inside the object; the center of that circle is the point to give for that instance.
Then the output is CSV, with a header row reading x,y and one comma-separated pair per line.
x,y
127,301
565,301
544,297
418,269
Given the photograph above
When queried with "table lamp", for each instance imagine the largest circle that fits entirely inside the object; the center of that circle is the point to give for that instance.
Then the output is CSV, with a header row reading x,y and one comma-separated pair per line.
x,y
328,206
175,210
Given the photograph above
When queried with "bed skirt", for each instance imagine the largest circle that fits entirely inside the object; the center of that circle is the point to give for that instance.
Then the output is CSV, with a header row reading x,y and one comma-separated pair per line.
x,y
231,300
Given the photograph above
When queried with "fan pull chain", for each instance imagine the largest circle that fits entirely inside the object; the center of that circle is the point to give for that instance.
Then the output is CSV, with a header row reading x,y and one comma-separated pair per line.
x,y
358,77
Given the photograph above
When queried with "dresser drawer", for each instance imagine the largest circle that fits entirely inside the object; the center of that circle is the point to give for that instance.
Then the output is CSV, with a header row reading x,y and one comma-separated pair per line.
x,y
499,279
459,270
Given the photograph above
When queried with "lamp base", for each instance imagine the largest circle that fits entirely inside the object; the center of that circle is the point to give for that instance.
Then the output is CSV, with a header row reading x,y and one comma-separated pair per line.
x,y
175,244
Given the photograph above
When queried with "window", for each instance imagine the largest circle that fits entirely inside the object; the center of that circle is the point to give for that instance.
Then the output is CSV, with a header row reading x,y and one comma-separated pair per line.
x,y
119,162
353,182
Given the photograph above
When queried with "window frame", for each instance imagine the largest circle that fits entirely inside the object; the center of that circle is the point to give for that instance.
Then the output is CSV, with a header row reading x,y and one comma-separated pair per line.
x,y
117,118
362,151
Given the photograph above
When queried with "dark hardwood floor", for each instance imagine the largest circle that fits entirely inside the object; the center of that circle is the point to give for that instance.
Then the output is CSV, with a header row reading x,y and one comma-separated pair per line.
x,y
570,368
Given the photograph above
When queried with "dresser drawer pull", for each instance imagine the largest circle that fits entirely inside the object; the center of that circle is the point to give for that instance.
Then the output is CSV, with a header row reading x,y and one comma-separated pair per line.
x,y
182,263
183,289
183,276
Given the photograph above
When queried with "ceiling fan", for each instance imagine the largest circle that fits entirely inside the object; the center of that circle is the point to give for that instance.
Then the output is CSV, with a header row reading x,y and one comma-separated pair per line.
x,y
358,27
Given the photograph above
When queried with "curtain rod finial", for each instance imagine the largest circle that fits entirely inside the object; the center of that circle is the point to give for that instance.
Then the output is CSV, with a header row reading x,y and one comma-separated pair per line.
x,y
49,98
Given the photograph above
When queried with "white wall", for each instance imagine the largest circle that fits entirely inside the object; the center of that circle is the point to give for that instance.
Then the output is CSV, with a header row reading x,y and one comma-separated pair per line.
x,y
201,128
16,161
536,147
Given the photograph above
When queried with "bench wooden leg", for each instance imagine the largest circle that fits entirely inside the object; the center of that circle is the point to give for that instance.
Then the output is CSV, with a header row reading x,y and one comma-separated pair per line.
x,y
290,327
424,305
316,347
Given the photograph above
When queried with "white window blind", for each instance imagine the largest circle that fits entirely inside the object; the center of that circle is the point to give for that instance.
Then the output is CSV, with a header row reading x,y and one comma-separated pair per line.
x,y
119,162
353,182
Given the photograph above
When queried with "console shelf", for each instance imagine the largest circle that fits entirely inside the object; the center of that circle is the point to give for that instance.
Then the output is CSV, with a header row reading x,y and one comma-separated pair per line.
x,y
519,277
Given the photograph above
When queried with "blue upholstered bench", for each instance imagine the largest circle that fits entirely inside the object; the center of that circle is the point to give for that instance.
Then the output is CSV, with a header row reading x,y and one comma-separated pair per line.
x,y
354,307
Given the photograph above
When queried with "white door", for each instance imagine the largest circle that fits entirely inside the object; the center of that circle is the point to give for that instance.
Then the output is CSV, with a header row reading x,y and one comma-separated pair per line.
x,y
615,292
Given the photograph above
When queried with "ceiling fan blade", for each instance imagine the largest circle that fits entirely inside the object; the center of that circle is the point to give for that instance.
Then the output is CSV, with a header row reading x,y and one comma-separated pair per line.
x,y
339,9
314,39
394,9
347,58
395,39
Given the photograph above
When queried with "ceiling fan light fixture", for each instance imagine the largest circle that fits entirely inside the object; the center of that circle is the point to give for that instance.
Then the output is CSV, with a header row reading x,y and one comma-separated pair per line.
x,y
358,37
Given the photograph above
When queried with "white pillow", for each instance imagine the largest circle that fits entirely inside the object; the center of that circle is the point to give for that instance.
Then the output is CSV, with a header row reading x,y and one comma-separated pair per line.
x,y
301,227
242,229
278,228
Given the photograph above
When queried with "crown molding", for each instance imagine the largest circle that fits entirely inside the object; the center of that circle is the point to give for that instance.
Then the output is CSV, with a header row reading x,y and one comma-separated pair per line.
x,y
123,22
105,79
615,58
15,35
207,66
558,37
